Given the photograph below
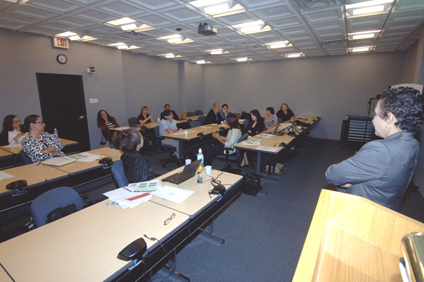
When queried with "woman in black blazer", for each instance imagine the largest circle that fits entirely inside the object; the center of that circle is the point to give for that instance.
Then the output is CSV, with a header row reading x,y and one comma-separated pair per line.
x,y
255,126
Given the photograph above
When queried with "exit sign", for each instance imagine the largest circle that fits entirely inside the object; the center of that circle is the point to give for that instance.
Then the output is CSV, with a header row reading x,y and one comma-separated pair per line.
x,y
61,43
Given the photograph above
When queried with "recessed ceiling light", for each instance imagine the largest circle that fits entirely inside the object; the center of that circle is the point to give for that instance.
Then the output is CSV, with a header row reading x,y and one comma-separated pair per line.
x,y
125,20
66,34
360,49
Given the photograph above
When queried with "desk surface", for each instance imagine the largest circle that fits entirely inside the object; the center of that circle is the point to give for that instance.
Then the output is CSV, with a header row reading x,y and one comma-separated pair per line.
x,y
5,153
200,199
192,132
15,149
84,246
273,142
102,153
32,173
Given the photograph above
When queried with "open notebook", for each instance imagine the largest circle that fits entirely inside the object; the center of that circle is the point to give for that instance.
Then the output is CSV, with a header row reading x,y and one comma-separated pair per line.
x,y
59,161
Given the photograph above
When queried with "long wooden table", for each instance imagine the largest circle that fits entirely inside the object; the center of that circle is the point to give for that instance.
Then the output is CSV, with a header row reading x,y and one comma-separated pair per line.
x,y
84,246
41,178
271,145
15,159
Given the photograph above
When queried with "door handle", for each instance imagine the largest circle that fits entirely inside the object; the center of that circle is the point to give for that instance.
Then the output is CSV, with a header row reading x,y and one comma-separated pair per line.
x,y
81,117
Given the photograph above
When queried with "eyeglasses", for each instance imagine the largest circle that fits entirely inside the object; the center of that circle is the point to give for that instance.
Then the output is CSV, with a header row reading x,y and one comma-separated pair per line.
x,y
40,122
168,220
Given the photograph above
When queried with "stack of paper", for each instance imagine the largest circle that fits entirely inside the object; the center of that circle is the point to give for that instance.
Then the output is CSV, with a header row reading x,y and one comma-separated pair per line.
x,y
127,199
84,157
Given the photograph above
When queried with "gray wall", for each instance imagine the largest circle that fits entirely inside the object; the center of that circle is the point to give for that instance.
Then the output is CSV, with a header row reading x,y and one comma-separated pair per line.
x,y
151,82
23,55
193,95
329,87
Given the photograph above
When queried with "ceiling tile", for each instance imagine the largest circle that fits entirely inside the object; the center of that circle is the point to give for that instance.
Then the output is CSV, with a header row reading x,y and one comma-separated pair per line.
x,y
55,5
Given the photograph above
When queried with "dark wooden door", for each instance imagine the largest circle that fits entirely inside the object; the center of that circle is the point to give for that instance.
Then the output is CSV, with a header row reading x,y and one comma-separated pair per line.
x,y
63,106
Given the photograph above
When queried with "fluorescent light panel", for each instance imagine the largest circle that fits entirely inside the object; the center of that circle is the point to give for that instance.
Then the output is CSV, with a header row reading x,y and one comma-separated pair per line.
x,y
242,59
368,4
294,55
129,26
203,3
368,10
66,34
217,8
360,49
122,21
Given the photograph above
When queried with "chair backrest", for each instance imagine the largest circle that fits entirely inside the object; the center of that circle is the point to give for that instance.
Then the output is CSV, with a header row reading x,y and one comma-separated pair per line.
x,y
194,123
246,124
49,201
133,121
190,114
198,112
202,120
119,174
24,157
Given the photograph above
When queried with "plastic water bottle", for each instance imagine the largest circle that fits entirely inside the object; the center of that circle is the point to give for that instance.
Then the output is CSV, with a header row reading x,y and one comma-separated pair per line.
x,y
56,133
158,119
200,157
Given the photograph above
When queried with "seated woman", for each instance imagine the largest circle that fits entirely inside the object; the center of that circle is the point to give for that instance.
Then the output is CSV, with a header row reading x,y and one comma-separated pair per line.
x,y
12,131
232,138
382,169
144,116
285,113
270,120
105,122
254,127
40,145
224,111
135,166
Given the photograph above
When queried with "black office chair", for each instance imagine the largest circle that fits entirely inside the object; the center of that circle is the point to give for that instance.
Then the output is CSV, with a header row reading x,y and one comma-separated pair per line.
x,y
55,204
133,121
246,124
119,174
202,120
236,157
171,149
198,113
194,123
25,159
190,114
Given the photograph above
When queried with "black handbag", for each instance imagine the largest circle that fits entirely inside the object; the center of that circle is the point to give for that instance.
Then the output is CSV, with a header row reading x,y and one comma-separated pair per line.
x,y
251,184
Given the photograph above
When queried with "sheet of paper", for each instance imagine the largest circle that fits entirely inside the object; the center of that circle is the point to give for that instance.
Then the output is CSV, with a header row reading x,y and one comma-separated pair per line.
x,y
253,143
269,149
266,135
256,140
203,126
14,146
173,194
4,175
146,186
85,157
183,132
121,196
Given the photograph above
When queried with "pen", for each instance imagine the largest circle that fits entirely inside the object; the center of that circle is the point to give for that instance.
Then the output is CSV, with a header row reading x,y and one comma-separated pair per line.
x,y
127,189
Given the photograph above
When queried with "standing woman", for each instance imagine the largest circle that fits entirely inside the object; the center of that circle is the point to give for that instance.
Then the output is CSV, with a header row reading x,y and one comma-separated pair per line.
x,y
12,132
224,111
40,145
144,116
254,127
135,166
382,170
270,120
105,122
285,113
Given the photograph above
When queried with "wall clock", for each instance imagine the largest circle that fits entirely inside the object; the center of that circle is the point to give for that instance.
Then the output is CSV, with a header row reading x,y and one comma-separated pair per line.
x,y
61,58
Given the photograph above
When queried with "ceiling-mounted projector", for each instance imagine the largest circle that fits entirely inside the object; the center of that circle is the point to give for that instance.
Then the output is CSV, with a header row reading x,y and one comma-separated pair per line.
x,y
206,30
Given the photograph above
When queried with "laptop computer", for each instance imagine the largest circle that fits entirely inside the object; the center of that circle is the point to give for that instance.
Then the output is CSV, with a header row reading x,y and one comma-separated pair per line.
x,y
58,161
183,115
274,132
188,172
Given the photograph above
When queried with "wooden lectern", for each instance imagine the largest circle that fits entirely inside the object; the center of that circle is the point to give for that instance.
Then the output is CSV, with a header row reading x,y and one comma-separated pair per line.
x,y
353,239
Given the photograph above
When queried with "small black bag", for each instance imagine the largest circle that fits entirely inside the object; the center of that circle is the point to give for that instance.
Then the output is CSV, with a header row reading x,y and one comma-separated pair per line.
x,y
251,184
